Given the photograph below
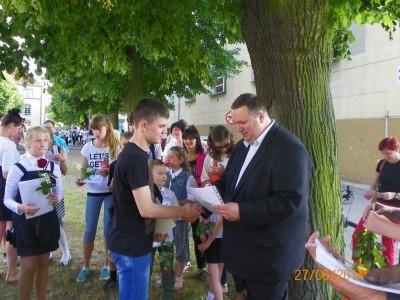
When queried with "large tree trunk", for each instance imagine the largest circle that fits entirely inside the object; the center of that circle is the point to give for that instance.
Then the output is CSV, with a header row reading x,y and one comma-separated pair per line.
x,y
291,52
134,90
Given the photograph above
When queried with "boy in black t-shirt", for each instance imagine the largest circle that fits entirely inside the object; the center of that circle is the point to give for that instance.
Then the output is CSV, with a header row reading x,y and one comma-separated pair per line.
x,y
132,224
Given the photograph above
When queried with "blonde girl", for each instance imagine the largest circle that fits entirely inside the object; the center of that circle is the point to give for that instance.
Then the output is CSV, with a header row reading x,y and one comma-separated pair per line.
x,y
35,236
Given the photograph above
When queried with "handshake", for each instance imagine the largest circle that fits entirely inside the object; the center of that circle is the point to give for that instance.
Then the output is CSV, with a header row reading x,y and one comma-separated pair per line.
x,y
191,212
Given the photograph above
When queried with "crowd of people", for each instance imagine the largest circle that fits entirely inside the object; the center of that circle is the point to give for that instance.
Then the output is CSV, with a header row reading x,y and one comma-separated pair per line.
x,y
257,233
74,135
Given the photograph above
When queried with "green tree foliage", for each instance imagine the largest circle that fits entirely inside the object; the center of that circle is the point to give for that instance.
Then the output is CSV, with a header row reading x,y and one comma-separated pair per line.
x,y
344,13
64,109
114,51
9,97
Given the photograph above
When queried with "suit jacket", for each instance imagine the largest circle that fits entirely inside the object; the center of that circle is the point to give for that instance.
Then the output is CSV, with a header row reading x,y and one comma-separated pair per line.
x,y
267,243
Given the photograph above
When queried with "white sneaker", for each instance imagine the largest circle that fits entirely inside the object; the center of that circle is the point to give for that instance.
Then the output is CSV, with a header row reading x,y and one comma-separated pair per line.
x,y
65,261
158,283
178,283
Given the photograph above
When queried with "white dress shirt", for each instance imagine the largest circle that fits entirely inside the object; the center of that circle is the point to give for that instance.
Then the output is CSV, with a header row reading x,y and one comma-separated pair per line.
x,y
253,150
29,162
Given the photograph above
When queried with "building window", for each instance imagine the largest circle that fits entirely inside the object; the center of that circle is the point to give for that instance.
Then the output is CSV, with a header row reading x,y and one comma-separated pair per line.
x,y
220,86
28,93
27,109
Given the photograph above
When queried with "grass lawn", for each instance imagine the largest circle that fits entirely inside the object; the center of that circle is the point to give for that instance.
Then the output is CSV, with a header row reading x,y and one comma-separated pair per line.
x,y
62,283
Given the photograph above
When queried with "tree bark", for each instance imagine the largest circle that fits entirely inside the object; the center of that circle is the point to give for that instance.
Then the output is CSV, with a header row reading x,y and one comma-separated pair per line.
x,y
290,47
134,87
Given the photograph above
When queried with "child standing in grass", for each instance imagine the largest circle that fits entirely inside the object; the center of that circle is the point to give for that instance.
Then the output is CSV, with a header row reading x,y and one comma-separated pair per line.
x,y
211,247
36,236
179,179
164,243
97,155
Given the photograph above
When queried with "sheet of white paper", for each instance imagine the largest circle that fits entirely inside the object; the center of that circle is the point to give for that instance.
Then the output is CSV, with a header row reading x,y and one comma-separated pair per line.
x,y
164,226
326,259
206,196
29,195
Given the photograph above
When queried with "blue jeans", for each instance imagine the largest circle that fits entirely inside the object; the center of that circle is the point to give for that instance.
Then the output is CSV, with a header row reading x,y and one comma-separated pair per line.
x,y
133,276
92,213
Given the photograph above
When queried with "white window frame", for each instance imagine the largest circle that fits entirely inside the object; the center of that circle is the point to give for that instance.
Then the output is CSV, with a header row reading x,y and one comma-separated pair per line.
x,y
28,93
220,87
27,109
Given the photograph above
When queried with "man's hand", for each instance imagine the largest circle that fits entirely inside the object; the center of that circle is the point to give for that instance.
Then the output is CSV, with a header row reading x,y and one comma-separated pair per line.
x,y
197,207
311,246
28,209
384,276
341,285
190,215
230,211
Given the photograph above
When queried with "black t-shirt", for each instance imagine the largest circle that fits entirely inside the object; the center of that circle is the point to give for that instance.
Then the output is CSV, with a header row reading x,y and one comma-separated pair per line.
x,y
389,175
130,234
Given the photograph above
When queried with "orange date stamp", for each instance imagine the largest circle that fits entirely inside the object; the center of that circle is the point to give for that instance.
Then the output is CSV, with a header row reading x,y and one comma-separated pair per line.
x,y
320,274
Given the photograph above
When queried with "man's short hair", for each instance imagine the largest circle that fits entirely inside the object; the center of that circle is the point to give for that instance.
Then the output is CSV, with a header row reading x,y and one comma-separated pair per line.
x,y
148,110
251,101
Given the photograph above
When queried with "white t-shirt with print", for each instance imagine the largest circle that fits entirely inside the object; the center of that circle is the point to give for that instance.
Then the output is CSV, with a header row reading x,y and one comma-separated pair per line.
x,y
95,157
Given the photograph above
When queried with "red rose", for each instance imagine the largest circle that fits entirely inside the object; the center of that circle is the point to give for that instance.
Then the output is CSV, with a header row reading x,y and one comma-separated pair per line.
x,y
42,163
105,164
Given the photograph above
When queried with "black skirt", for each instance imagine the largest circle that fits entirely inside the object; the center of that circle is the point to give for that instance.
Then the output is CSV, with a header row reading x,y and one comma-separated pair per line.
x,y
213,253
37,235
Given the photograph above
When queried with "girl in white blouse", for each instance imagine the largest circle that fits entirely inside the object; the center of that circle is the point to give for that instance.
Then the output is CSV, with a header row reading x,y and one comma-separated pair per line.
x,y
38,235
10,133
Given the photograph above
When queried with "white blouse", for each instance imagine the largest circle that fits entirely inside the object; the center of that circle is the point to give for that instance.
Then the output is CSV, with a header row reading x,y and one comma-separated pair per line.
x,y
29,162
9,154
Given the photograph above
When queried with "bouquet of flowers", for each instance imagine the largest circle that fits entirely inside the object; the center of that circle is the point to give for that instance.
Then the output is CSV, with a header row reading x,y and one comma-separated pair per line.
x,y
166,257
88,172
368,254
204,229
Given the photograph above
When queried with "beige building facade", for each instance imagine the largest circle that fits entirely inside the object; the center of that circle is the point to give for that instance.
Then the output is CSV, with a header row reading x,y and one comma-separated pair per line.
x,y
365,92
366,97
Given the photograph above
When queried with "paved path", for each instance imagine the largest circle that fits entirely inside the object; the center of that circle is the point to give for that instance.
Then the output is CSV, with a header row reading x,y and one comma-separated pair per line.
x,y
353,212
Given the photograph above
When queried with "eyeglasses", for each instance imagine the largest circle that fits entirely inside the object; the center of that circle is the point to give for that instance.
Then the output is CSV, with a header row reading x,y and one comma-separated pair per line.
x,y
227,145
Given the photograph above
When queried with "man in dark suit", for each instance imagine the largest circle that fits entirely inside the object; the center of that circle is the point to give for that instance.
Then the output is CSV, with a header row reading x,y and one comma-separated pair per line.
x,y
265,188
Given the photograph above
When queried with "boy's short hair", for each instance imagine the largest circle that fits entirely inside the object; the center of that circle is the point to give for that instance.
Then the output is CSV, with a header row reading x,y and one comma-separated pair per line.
x,y
149,110
127,135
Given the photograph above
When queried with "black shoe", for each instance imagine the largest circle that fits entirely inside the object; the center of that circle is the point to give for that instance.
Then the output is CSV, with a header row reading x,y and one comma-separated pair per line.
x,y
110,284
